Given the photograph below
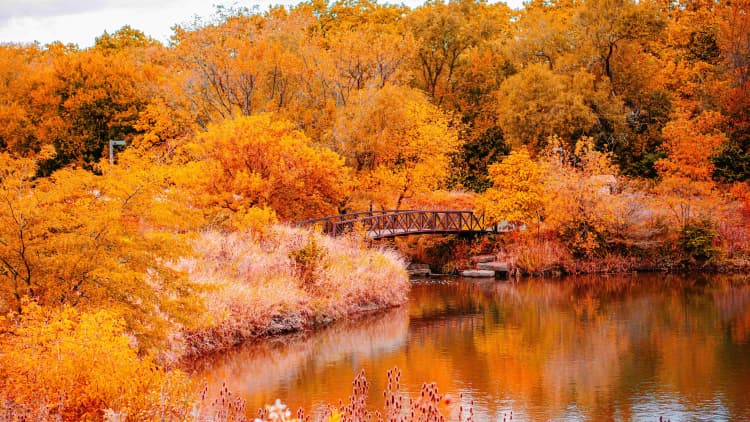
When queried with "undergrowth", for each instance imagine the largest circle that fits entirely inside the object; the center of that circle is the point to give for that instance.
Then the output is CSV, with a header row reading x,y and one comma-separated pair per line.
x,y
284,280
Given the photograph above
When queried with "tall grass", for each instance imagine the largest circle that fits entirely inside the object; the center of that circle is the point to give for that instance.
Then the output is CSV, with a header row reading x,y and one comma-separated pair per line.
x,y
539,256
283,280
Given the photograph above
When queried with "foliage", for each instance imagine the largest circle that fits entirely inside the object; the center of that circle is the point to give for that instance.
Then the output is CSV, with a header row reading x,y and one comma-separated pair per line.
x,y
518,194
261,161
697,241
93,241
76,366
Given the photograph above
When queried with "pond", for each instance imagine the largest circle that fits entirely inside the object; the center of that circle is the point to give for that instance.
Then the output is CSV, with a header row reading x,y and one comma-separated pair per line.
x,y
596,347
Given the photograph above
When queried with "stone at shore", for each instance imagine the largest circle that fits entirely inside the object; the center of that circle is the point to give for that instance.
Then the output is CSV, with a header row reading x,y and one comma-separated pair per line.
x,y
418,270
478,273
494,266
482,258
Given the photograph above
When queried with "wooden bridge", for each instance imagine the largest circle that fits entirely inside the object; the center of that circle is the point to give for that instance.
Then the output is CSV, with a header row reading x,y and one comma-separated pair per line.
x,y
393,223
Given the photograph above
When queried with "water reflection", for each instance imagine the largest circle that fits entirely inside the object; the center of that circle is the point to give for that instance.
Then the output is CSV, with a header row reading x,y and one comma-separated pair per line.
x,y
624,347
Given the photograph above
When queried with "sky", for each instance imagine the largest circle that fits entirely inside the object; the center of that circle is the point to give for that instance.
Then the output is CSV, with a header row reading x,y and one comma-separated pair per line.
x,y
81,21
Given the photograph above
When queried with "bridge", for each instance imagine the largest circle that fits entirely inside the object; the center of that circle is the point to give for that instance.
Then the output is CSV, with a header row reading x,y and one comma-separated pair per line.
x,y
392,223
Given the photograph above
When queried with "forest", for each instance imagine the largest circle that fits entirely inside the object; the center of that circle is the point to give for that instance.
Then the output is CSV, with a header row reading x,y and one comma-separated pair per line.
x,y
616,133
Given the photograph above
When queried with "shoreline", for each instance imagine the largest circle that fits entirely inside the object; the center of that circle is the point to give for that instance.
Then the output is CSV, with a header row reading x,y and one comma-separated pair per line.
x,y
282,281
271,335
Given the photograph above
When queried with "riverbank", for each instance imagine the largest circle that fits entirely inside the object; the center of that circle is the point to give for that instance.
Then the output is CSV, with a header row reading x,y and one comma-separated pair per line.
x,y
528,256
281,280
87,364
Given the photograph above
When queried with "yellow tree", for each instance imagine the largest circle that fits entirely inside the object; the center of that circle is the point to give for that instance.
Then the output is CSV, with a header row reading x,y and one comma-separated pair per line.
x,y
518,194
397,142
544,33
444,33
606,26
536,103
263,161
94,241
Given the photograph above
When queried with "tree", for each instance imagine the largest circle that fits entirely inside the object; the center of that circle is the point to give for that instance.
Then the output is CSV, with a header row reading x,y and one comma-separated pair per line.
x,y
397,142
17,133
518,194
545,33
606,25
733,162
263,161
537,103
100,93
444,32
686,186
92,242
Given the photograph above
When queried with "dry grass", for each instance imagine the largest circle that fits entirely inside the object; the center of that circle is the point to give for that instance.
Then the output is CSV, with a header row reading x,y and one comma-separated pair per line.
x,y
285,280
540,256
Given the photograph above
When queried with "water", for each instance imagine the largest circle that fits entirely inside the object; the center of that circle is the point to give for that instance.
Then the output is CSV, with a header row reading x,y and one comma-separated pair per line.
x,y
597,348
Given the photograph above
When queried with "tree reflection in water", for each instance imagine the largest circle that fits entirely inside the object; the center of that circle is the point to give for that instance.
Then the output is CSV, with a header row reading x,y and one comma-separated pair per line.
x,y
600,347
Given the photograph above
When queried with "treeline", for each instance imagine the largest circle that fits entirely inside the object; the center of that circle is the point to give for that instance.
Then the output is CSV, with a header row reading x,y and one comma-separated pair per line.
x,y
411,100
606,128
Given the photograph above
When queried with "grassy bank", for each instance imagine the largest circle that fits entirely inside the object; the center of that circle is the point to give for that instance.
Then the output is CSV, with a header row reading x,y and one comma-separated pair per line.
x,y
282,280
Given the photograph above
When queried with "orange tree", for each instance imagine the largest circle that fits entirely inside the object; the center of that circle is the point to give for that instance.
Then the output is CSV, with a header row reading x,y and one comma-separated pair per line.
x,y
261,161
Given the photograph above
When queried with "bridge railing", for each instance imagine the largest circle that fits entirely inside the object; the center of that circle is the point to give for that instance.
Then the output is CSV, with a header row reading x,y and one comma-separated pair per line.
x,y
412,221
326,223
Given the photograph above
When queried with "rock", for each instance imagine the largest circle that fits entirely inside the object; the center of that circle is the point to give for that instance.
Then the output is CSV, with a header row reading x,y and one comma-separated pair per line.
x,y
494,266
482,258
418,270
477,273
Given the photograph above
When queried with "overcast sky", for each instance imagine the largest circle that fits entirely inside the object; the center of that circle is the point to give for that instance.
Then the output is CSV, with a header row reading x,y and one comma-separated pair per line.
x,y
81,21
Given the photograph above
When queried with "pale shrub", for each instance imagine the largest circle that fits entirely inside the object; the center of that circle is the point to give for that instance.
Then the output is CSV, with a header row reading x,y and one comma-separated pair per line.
x,y
285,279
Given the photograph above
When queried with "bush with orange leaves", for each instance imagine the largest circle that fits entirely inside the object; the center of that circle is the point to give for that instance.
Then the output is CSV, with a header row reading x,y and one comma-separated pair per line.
x,y
82,366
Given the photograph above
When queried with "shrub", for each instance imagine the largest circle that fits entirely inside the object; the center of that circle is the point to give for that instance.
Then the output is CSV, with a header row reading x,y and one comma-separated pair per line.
x,y
697,241
285,279
76,366
308,260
